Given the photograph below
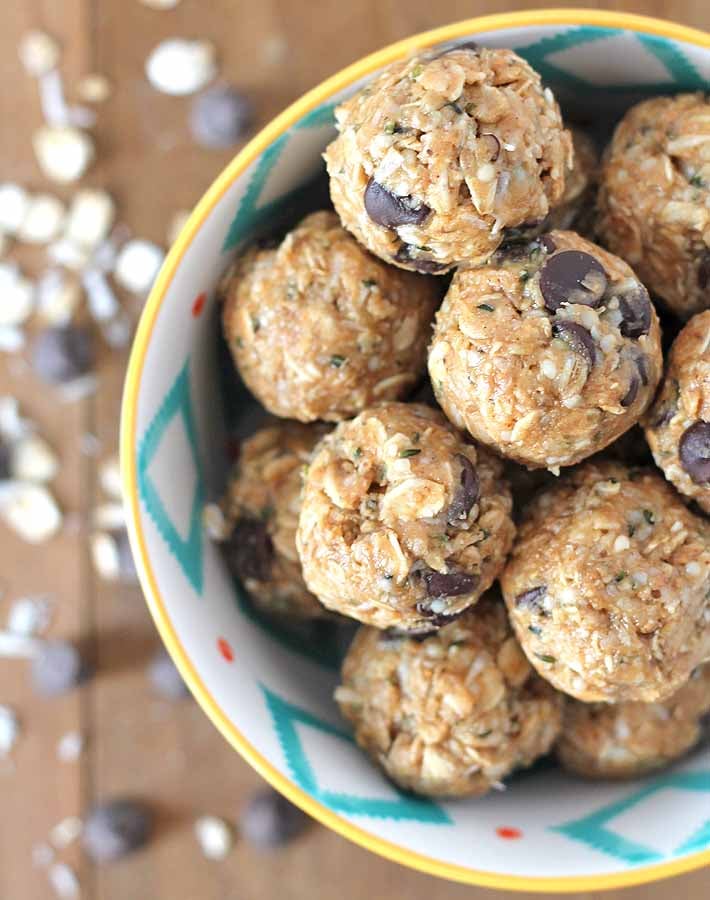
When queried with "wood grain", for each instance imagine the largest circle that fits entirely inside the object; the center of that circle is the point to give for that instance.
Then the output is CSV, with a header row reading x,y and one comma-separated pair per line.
x,y
139,745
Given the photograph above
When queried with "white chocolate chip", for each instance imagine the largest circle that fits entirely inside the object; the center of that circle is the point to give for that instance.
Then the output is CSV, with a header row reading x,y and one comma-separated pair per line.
x,y
29,616
177,66
30,510
39,53
90,218
9,730
63,152
65,832
621,543
110,516
14,204
64,881
43,221
70,746
137,266
33,460
102,302
58,297
69,255
214,837
104,553
110,477
16,296
94,88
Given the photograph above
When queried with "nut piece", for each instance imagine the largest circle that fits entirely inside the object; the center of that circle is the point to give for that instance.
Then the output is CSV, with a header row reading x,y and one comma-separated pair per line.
x,y
453,713
177,66
137,266
63,152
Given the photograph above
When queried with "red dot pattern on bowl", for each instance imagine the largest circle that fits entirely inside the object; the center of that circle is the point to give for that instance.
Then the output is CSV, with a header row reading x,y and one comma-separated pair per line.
x,y
225,650
199,304
508,833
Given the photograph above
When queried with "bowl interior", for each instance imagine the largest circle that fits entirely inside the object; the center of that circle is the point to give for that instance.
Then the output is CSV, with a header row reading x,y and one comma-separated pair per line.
x,y
270,689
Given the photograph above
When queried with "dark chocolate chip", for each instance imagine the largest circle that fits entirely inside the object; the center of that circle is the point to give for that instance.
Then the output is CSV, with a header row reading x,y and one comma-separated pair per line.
x,y
57,668
249,551
635,308
393,637
448,584
632,392
425,266
126,564
572,277
642,369
704,270
269,820
578,338
220,116
531,598
60,355
165,678
548,243
114,829
390,211
694,452
467,492
512,251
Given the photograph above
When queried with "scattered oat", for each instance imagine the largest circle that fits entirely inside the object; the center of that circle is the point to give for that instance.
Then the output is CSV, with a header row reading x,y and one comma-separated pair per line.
x,y
39,53
63,152
29,616
137,266
33,460
94,88
14,205
30,510
9,730
43,221
64,881
58,297
214,836
65,832
70,746
178,66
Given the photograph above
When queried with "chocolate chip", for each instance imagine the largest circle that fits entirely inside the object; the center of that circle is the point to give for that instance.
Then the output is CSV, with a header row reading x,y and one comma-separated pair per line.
x,y
114,829
390,211
448,584
572,277
425,266
578,338
704,270
635,308
467,492
669,409
548,243
221,116
642,369
511,252
694,452
269,820
632,392
531,598
393,637
249,551
60,355
57,668
165,678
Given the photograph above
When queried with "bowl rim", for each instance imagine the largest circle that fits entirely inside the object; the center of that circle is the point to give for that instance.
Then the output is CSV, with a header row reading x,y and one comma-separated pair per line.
x,y
256,146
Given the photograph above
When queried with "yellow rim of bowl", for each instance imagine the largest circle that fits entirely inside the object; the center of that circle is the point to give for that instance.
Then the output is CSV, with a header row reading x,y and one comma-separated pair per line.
x,y
128,449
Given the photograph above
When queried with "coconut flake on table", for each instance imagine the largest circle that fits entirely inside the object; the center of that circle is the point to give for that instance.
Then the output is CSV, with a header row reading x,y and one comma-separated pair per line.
x,y
63,152
39,53
29,616
91,215
30,510
137,266
17,295
9,730
214,836
178,66
58,297
43,221
14,205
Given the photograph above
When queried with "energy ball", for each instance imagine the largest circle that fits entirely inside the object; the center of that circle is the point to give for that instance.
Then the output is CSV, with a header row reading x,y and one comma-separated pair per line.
x,y
443,152
678,424
654,198
548,353
607,586
575,208
451,714
402,523
624,740
261,506
319,329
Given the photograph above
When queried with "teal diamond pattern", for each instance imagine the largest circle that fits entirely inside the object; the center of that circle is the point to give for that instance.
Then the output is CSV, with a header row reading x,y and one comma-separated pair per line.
x,y
406,807
187,551
595,829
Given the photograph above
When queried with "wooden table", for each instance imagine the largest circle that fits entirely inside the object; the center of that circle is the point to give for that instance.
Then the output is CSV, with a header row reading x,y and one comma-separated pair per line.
x,y
136,744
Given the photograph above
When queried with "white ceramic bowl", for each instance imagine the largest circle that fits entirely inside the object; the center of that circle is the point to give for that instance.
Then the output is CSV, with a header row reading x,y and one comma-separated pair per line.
x,y
272,700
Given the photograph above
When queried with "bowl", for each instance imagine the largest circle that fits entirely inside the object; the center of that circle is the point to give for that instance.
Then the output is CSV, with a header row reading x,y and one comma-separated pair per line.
x,y
269,693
